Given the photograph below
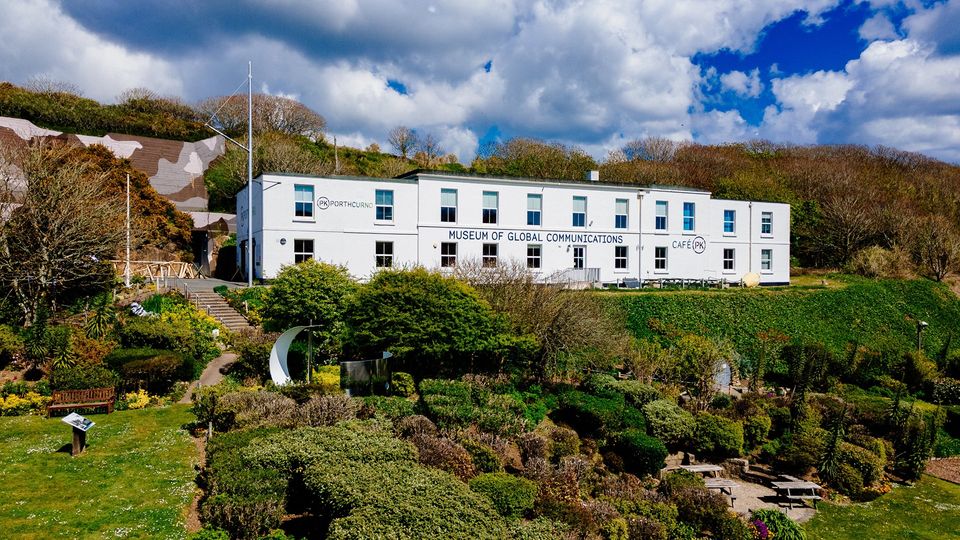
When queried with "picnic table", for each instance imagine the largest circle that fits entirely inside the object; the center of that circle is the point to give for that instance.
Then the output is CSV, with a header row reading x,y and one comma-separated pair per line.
x,y
704,469
724,486
797,490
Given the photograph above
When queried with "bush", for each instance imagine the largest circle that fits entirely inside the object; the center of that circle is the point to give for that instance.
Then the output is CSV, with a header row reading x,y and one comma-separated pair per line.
x,y
402,384
82,378
717,436
755,430
511,496
866,462
731,527
154,333
700,508
458,404
484,458
533,447
539,529
848,480
668,422
782,527
11,346
634,392
29,402
326,411
393,408
253,355
597,416
444,454
415,425
878,262
563,442
679,480
946,391
157,373
642,454
241,410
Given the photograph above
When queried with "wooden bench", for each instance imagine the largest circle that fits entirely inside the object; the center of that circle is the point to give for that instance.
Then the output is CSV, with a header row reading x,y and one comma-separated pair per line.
x,y
82,399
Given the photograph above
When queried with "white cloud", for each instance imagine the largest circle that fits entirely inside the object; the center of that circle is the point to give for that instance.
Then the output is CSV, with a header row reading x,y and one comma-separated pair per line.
x,y
743,84
878,27
40,40
716,127
939,25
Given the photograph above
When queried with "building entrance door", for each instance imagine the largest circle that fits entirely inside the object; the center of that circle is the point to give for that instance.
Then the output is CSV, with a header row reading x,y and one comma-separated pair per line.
x,y
579,257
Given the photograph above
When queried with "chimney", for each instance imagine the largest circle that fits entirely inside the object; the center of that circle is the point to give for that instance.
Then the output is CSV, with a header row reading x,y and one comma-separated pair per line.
x,y
593,176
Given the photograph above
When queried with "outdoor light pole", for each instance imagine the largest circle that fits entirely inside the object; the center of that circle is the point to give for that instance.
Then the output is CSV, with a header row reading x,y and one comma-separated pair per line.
x,y
921,326
249,149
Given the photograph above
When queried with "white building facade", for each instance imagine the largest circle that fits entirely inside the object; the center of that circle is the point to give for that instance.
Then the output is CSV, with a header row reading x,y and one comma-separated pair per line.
x,y
561,230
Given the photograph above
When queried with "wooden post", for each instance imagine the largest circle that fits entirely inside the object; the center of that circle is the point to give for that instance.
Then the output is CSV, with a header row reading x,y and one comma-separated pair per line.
x,y
79,441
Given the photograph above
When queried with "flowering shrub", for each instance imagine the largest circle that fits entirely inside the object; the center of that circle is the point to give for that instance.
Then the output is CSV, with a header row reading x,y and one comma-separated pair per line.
x,y
760,529
137,400
14,405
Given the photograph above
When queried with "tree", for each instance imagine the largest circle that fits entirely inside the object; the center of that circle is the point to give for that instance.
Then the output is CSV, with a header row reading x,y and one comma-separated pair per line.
x,y
428,150
535,158
62,228
652,149
270,113
430,322
935,245
702,358
311,292
403,140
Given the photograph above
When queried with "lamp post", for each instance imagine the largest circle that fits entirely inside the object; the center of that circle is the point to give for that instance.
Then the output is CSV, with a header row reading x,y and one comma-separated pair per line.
x,y
921,326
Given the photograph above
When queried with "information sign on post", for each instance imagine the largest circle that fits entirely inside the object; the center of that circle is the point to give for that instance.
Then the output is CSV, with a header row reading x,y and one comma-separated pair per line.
x,y
80,426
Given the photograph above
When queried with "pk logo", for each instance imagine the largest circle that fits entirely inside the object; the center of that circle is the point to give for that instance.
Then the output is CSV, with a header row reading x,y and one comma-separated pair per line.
x,y
323,203
699,245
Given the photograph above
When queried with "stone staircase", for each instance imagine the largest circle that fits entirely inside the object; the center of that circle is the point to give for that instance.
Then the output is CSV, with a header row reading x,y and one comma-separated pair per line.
x,y
217,307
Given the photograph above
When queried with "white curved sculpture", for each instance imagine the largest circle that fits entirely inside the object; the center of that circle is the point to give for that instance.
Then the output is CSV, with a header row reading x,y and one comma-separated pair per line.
x,y
279,371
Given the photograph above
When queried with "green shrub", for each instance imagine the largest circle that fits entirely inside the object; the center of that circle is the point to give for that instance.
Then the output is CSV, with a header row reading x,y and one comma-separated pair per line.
x,y
563,442
668,422
634,392
642,454
946,391
393,408
782,527
946,445
253,355
539,529
848,480
156,374
397,500
82,378
721,401
154,333
458,404
208,533
869,464
511,496
484,458
241,410
597,416
717,437
11,346
731,527
444,454
755,430
402,384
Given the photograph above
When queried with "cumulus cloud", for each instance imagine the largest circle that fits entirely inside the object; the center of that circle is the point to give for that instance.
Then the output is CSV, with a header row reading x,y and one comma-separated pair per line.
x,y
878,27
743,84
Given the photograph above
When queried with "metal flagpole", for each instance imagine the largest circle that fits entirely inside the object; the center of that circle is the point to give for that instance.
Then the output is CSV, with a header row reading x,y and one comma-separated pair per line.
x,y
250,269
126,273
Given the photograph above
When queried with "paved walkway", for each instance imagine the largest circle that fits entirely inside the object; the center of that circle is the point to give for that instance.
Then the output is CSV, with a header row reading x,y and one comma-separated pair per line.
x,y
752,496
211,375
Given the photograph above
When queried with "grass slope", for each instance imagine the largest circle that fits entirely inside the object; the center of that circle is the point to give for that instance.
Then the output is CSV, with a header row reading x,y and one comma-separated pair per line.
x,y
880,314
930,509
135,480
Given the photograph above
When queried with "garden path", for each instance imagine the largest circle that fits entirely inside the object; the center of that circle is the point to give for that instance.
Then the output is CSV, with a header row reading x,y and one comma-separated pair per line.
x,y
752,496
211,375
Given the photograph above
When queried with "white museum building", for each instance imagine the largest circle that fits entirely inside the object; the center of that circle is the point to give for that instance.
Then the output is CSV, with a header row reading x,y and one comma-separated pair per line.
x,y
583,231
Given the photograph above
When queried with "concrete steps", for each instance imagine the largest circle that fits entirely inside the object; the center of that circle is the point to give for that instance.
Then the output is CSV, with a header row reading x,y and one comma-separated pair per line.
x,y
218,308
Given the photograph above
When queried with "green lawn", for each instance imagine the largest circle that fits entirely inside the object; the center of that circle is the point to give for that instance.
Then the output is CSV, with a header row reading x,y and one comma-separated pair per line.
x,y
135,480
930,509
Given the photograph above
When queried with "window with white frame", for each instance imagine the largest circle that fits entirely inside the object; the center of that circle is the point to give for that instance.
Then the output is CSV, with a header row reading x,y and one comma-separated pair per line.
x,y
729,221
302,250
384,251
534,208
579,211
384,200
620,218
448,205
534,252
689,216
766,223
766,260
490,255
660,258
620,257
661,216
729,258
491,201
303,201
579,256
448,254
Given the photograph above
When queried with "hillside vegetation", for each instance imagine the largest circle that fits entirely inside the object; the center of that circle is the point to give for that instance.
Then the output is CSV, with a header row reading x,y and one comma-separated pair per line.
x,y
881,315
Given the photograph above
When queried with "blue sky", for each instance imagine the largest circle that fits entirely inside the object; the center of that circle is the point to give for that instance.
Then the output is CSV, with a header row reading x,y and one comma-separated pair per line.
x,y
594,74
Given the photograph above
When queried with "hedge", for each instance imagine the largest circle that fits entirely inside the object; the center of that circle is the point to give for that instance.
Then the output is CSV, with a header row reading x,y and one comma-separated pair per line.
x,y
511,496
717,436
597,416
458,404
668,422
642,454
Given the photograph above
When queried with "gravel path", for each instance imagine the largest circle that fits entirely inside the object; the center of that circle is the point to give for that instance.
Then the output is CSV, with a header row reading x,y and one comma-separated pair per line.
x,y
946,469
211,375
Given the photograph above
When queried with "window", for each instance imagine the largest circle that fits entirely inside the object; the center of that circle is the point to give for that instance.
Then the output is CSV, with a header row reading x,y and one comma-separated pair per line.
x,y
448,205
384,205
384,252
303,197
728,259
579,211
579,256
534,208
661,219
620,257
766,259
729,221
302,250
448,254
533,255
766,223
491,201
620,218
689,216
660,258
490,255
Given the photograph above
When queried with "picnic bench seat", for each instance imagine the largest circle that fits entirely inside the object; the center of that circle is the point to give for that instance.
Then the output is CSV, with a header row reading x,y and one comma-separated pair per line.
x,y
82,399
